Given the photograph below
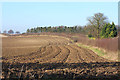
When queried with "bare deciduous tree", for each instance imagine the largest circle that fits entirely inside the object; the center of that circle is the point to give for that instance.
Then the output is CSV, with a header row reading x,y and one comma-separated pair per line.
x,y
97,21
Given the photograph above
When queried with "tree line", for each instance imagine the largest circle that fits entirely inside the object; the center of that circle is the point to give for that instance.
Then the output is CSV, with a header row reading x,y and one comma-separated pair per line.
x,y
66,29
98,27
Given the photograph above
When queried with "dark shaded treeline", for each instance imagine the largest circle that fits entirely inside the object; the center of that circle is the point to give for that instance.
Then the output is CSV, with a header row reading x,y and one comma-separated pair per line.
x,y
75,29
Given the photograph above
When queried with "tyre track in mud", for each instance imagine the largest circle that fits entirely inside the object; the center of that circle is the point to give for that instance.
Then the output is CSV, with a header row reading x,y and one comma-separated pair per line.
x,y
59,54
61,59
84,55
92,57
62,56
72,58
27,58
47,54
57,50
46,59
41,50
80,59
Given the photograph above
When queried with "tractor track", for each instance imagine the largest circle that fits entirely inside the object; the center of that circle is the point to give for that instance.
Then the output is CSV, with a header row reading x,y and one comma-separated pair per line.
x,y
54,56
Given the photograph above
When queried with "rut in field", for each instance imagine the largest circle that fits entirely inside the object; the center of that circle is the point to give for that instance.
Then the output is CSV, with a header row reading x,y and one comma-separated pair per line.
x,y
59,54
52,57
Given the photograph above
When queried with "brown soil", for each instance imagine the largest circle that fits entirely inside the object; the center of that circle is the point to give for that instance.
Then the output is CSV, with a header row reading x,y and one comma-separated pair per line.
x,y
56,57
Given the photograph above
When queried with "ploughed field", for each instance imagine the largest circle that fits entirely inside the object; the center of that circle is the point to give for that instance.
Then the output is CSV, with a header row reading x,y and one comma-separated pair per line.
x,y
52,57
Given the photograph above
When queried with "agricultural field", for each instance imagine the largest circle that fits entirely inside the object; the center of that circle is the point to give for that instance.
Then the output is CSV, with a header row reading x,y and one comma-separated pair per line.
x,y
46,56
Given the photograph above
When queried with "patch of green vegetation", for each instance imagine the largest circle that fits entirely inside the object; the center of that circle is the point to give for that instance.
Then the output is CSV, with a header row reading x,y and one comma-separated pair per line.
x,y
72,41
92,38
96,50
108,31
99,52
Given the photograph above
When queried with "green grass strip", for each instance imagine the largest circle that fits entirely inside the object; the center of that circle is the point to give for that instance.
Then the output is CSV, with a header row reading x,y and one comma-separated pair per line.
x,y
96,50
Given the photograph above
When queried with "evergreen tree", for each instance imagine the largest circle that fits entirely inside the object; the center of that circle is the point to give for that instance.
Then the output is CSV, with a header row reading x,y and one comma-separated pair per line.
x,y
108,30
